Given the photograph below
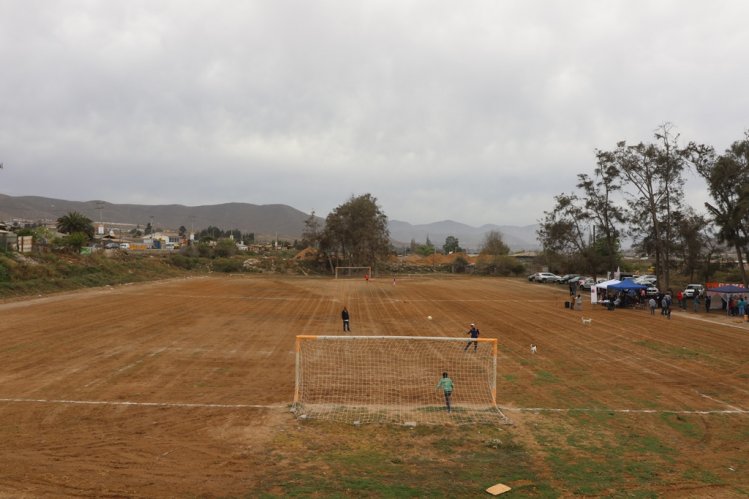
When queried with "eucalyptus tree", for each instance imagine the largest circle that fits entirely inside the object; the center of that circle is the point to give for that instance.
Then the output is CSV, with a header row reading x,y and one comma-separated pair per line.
x,y
693,243
727,178
652,178
584,227
312,231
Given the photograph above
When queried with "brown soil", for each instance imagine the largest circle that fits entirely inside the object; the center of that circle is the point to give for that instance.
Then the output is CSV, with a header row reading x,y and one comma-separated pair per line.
x,y
176,388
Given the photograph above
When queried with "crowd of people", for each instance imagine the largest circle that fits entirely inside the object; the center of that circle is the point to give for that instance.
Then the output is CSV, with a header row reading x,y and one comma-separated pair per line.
x,y
735,305
732,304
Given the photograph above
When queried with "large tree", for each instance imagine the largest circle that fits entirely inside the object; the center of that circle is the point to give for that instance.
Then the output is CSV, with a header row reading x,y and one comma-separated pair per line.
x,y
582,229
452,245
356,233
493,257
693,242
727,179
653,180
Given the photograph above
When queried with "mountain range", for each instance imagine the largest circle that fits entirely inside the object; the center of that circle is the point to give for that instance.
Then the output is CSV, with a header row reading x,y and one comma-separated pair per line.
x,y
266,221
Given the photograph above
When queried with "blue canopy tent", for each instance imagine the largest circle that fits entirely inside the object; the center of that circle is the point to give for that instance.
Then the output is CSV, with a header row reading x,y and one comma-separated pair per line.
x,y
627,285
629,289
730,288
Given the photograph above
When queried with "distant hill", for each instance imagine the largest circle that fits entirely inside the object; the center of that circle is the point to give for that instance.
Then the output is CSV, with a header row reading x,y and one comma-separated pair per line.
x,y
264,220
470,238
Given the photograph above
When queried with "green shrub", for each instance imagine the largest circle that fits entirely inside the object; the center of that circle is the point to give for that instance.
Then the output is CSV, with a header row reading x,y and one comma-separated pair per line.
x,y
225,248
205,250
226,265
184,262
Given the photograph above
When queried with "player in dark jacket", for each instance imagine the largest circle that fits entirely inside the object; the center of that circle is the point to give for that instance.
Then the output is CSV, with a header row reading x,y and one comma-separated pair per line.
x,y
345,317
474,332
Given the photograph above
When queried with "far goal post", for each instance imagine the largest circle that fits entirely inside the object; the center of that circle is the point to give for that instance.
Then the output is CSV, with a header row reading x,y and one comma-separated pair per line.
x,y
353,272
393,379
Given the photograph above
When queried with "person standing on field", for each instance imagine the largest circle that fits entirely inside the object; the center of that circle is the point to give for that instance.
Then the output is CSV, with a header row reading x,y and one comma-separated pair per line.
x,y
345,317
474,335
666,304
446,384
653,305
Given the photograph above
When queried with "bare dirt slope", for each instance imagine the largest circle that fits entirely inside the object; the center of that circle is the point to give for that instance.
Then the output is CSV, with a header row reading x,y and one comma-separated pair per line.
x,y
175,388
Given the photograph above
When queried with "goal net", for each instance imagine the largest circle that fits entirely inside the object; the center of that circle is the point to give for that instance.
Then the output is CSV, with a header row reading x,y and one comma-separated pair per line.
x,y
353,272
393,379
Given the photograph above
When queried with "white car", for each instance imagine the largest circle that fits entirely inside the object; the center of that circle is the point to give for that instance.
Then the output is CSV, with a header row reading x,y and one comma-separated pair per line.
x,y
546,277
694,289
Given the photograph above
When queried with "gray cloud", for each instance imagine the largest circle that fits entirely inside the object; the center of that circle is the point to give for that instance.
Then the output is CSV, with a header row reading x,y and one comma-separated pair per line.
x,y
478,112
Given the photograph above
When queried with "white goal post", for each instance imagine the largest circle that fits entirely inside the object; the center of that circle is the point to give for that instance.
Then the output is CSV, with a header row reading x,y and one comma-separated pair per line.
x,y
393,379
353,272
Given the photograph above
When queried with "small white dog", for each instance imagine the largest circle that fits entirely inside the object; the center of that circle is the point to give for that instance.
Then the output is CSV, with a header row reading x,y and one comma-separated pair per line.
x,y
533,348
587,321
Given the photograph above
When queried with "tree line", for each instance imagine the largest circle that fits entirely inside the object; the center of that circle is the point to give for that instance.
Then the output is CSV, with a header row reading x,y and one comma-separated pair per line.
x,y
638,191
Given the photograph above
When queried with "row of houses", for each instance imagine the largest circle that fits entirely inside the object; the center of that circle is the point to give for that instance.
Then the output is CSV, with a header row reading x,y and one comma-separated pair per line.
x,y
116,236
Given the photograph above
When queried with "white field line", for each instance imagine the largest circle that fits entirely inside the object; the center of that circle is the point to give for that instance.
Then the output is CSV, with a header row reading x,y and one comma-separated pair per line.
x,y
259,406
625,411
140,404
719,401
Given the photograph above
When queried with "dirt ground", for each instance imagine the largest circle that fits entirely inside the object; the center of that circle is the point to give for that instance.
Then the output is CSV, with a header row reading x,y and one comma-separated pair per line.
x,y
176,388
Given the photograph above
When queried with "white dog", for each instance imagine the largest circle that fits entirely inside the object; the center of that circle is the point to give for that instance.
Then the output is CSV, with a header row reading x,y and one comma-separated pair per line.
x,y
533,348
587,321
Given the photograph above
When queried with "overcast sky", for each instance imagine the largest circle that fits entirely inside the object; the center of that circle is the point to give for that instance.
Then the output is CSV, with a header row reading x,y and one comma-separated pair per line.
x,y
479,112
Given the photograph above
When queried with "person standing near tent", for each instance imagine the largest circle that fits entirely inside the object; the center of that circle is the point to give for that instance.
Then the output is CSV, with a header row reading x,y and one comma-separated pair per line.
x,y
708,299
446,384
666,304
696,303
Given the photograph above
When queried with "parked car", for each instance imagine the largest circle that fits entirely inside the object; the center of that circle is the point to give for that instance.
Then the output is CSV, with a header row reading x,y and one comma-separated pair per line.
x,y
588,283
566,278
651,291
546,277
694,289
532,277
124,245
646,279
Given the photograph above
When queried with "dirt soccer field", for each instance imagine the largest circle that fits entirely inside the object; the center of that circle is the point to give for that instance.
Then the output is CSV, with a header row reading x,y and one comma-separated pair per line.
x,y
182,389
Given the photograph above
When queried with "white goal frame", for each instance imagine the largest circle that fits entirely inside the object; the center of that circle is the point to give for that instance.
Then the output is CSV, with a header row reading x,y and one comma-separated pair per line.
x,y
392,379
368,269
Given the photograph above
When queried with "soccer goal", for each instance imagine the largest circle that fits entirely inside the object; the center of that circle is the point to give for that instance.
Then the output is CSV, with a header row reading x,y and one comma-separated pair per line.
x,y
393,379
353,272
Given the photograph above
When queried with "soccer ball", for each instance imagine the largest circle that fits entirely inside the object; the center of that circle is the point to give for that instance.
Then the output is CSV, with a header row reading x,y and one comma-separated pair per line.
x,y
429,317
